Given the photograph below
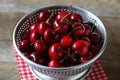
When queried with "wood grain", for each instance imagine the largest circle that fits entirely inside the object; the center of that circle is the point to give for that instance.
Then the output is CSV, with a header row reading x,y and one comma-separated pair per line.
x,y
8,71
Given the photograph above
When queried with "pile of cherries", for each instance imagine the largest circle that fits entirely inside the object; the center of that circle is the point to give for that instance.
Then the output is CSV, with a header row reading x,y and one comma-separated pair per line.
x,y
60,40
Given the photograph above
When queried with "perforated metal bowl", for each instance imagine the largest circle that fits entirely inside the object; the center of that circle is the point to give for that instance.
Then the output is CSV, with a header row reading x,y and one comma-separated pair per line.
x,y
66,72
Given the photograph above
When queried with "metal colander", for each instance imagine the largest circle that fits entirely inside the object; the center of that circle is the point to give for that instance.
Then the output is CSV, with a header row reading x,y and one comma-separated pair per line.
x,y
66,72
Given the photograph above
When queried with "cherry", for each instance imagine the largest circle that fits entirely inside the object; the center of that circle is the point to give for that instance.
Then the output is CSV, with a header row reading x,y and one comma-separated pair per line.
x,y
81,47
49,35
34,36
25,36
60,27
44,15
42,27
85,58
39,46
68,62
88,40
57,37
78,29
31,47
61,14
41,60
94,50
74,17
55,51
66,41
88,30
50,21
33,27
53,63
27,54
95,38
34,56
24,46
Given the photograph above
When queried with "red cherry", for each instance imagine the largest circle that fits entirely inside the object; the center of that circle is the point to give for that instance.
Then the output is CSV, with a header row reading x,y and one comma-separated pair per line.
x,y
53,63
39,46
49,35
44,15
55,51
68,62
61,14
34,27
60,27
74,17
95,38
88,40
57,37
85,58
24,46
78,29
88,30
25,36
41,61
34,56
81,47
66,41
94,50
42,27
50,22
34,36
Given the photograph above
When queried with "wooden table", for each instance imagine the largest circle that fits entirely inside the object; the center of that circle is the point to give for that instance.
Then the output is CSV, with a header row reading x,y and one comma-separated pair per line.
x,y
11,11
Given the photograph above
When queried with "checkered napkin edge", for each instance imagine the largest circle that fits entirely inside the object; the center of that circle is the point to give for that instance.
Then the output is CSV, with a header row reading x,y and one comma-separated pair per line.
x,y
97,72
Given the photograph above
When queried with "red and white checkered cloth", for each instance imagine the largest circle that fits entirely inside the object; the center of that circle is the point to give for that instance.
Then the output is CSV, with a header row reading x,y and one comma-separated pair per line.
x,y
97,72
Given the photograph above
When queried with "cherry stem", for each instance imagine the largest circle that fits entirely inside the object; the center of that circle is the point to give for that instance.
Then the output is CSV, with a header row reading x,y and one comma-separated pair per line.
x,y
56,29
64,17
68,51
51,15
79,27
32,43
42,40
63,59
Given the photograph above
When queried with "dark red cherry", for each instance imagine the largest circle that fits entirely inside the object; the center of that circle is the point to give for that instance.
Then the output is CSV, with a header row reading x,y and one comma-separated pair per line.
x,y
42,27
78,29
53,63
39,46
88,40
85,58
49,35
74,17
25,36
50,22
81,47
34,27
94,50
95,38
34,36
44,15
41,60
57,37
24,46
60,27
61,14
66,41
88,30
34,56
55,51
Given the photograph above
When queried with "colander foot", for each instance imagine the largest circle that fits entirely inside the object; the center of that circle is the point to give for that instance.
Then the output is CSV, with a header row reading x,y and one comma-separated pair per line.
x,y
80,76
